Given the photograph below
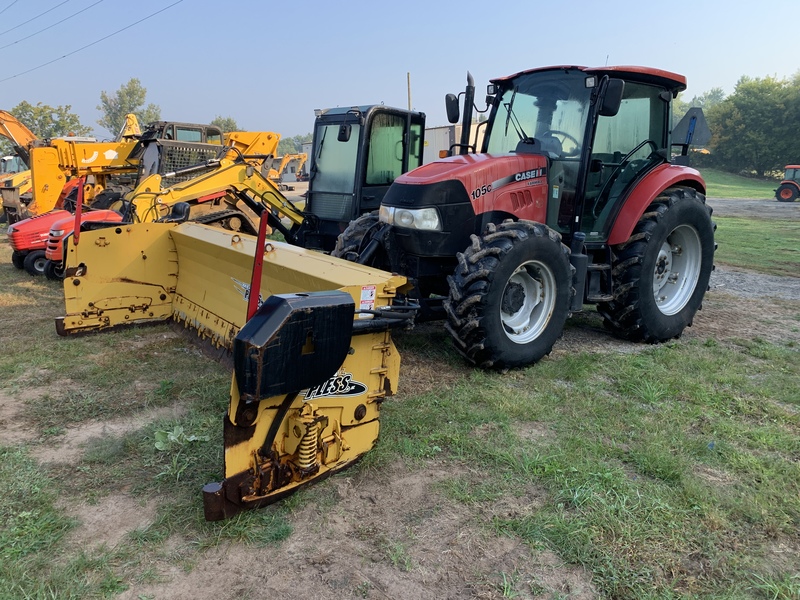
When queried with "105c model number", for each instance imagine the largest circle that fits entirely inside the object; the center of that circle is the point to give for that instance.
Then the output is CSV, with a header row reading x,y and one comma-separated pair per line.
x,y
481,191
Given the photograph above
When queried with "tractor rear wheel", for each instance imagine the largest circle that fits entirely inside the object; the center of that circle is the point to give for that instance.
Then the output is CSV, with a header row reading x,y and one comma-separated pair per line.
x,y
509,295
53,270
352,242
787,192
661,273
34,262
18,259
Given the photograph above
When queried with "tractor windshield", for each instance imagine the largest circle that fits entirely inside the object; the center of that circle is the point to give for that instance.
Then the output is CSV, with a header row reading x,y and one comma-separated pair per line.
x,y
550,106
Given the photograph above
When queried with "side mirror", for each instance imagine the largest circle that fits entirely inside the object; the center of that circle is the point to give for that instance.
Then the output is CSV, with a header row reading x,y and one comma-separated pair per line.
x,y
451,106
344,132
612,98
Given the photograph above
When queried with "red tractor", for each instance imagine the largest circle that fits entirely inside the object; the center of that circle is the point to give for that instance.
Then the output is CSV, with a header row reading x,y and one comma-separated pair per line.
x,y
29,238
789,189
573,199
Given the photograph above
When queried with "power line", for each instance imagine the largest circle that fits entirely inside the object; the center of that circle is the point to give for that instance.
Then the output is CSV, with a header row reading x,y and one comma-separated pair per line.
x,y
9,6
64,20
34,18
92,44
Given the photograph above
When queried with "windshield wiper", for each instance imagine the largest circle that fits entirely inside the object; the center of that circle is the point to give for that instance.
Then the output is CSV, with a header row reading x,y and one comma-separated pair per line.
x,y
515,121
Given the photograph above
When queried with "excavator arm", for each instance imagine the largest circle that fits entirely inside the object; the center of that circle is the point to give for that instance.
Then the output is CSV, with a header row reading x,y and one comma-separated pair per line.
x,y
20,136
239,183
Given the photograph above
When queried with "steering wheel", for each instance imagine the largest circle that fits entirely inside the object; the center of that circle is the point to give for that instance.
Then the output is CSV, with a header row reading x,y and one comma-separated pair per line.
x,y
576,145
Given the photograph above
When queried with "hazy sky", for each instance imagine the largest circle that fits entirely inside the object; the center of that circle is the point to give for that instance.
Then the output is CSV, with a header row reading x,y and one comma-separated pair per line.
x,y
268,65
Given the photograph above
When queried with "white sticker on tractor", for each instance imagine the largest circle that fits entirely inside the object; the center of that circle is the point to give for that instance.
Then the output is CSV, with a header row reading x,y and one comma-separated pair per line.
x,y
368,293
91,159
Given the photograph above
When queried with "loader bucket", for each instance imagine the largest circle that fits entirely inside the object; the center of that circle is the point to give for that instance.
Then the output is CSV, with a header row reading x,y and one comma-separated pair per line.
x,y
311,367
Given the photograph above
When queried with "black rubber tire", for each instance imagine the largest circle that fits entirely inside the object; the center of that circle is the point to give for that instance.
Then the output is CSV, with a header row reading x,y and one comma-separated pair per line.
x,y
53,270
353,240
492,276
678,218
787,193
34,262
18,259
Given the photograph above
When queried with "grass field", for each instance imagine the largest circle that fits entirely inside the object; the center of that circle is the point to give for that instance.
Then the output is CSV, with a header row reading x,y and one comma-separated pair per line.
x,y
667,471
726,185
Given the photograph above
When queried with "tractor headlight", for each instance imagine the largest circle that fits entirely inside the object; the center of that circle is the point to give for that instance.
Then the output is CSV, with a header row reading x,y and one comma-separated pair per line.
x,y
426,219
56,233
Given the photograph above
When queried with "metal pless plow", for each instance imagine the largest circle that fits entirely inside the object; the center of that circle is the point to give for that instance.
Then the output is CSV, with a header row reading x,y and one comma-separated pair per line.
x,y
312,365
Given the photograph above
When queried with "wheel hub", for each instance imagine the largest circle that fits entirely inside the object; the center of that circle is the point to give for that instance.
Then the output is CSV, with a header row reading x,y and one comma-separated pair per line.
x,y
513,298
677,269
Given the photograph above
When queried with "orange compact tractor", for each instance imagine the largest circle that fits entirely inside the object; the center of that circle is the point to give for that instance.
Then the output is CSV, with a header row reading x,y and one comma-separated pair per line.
x,y
789,189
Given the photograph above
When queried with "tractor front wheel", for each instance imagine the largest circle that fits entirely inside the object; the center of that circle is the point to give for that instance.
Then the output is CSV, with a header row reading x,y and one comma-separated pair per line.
x,y
53,270
18,259
34,262
510,295
662,272
353,241
787,193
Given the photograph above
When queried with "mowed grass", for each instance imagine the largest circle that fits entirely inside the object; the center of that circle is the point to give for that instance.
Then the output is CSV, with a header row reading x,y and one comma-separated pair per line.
x,y
763,245
667,472
720,184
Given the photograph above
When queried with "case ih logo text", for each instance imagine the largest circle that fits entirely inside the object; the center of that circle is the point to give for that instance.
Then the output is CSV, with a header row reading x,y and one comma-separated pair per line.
x,y
341,384
532,174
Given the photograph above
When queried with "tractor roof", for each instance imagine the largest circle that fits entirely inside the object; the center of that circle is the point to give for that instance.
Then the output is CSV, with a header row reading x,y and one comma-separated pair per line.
x,y
672,81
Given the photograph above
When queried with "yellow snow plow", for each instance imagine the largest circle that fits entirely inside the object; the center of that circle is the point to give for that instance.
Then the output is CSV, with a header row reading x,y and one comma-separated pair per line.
x,y
311,366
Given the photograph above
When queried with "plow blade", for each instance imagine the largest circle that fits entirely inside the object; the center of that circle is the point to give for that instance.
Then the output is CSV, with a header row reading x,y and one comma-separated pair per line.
x,y
311,367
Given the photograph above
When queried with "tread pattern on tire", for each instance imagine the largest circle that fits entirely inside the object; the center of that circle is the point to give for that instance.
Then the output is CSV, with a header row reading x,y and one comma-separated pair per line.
x,y
623,316
349,241
471,282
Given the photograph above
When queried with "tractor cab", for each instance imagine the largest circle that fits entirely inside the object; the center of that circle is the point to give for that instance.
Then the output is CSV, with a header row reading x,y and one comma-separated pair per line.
x,y
357,153
600,130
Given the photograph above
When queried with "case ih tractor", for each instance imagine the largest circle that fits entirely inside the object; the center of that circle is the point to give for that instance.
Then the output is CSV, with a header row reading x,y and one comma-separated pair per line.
x,y
573,199
789,189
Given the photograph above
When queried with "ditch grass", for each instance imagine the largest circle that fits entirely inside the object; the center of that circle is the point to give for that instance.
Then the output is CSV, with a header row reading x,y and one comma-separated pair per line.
x,y
721,184
669,472
766,246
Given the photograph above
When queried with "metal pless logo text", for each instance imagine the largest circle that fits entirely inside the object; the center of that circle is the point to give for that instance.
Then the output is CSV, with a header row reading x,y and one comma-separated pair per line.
x,y
532,174
341,384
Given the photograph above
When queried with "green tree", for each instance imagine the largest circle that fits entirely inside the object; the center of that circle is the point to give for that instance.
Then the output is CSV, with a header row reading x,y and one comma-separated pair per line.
x,y
129,98
755,128
293,145
225,123
48,121
705,101
45,122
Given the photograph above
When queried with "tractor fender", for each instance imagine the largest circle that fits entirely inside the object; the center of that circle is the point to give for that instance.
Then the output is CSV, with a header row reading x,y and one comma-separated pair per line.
x,y
655,182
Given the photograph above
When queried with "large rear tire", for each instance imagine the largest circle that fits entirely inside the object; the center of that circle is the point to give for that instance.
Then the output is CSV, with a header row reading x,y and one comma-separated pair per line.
x,y
662,272
34,262
787,192
510,295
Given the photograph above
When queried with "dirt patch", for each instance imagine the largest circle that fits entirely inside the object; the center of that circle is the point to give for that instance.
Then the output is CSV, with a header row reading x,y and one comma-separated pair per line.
x,y
390,534
108,521
69,446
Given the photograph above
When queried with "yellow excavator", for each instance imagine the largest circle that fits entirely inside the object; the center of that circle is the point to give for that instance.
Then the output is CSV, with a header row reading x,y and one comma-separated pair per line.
x,y
277,175
16,180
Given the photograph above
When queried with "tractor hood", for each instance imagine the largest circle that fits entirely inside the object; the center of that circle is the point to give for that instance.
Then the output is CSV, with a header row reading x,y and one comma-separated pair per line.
x,y
514,183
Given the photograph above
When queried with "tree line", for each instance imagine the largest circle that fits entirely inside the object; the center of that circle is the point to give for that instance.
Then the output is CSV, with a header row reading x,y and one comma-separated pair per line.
x,y
56,121
754,129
